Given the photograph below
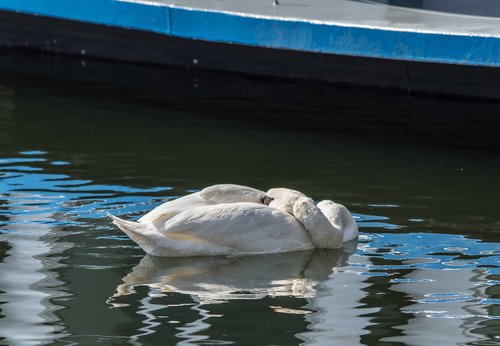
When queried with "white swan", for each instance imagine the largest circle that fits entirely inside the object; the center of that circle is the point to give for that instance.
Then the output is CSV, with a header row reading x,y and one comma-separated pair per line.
x,y
236,228
215,194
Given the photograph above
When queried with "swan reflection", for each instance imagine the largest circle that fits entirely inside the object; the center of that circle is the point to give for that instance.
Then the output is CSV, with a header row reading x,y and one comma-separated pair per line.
x,y
212,280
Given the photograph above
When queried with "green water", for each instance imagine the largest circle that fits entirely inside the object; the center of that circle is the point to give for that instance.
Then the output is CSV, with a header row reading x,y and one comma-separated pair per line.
x,y
79,138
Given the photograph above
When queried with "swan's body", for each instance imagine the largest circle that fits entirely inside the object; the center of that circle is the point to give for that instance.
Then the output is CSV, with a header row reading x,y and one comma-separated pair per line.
x,y
214,222
221,229
215,194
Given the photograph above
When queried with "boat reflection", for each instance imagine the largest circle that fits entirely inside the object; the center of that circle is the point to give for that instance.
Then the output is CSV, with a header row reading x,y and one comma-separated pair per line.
x,y
212,280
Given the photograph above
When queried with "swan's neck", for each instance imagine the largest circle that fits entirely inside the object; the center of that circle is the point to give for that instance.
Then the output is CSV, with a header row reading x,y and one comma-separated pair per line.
x,y
284,199
350,230
340,217
324,235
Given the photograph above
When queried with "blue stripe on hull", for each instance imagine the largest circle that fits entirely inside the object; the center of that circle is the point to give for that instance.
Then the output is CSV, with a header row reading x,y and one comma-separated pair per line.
x,y
281,33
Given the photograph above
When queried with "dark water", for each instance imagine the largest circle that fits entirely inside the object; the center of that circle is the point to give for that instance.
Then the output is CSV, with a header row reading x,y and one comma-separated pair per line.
x,y
79,138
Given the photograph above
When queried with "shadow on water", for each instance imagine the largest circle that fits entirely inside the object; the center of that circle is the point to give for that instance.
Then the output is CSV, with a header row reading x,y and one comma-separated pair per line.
x,y
147,94
82,137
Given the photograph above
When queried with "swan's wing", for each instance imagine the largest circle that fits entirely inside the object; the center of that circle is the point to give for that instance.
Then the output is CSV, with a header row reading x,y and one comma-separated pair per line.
x,y
241,228
231,193
159,215
222,193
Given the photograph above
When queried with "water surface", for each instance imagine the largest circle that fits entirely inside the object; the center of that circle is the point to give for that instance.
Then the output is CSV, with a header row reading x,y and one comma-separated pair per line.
x,y
80,138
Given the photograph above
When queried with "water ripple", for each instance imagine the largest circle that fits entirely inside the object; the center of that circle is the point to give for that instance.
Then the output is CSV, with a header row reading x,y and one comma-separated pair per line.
x,y
60,221
75,198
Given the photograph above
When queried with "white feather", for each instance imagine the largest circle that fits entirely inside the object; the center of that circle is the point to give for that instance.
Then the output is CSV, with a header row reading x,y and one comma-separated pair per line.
x,y
221,229
222,193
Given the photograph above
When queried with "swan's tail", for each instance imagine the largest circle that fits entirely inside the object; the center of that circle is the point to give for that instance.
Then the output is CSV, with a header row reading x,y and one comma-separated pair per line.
x,y
174,245
141,233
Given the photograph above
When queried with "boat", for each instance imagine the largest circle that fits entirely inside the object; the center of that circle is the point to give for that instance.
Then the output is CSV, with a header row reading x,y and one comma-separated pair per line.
x,y
446,48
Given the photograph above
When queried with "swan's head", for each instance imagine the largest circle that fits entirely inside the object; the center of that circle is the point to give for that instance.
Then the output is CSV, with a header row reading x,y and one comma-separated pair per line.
x,y
284,199
340,217
230,193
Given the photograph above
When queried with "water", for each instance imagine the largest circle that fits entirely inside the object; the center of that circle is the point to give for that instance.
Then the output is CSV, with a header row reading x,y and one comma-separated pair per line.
x,y
79,138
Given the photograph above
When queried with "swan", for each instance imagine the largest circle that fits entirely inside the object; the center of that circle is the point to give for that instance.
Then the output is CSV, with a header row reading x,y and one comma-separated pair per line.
x,y
221,193
294,223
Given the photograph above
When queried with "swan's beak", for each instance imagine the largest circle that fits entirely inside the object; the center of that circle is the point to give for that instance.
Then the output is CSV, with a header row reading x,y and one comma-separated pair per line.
x,y
266,200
